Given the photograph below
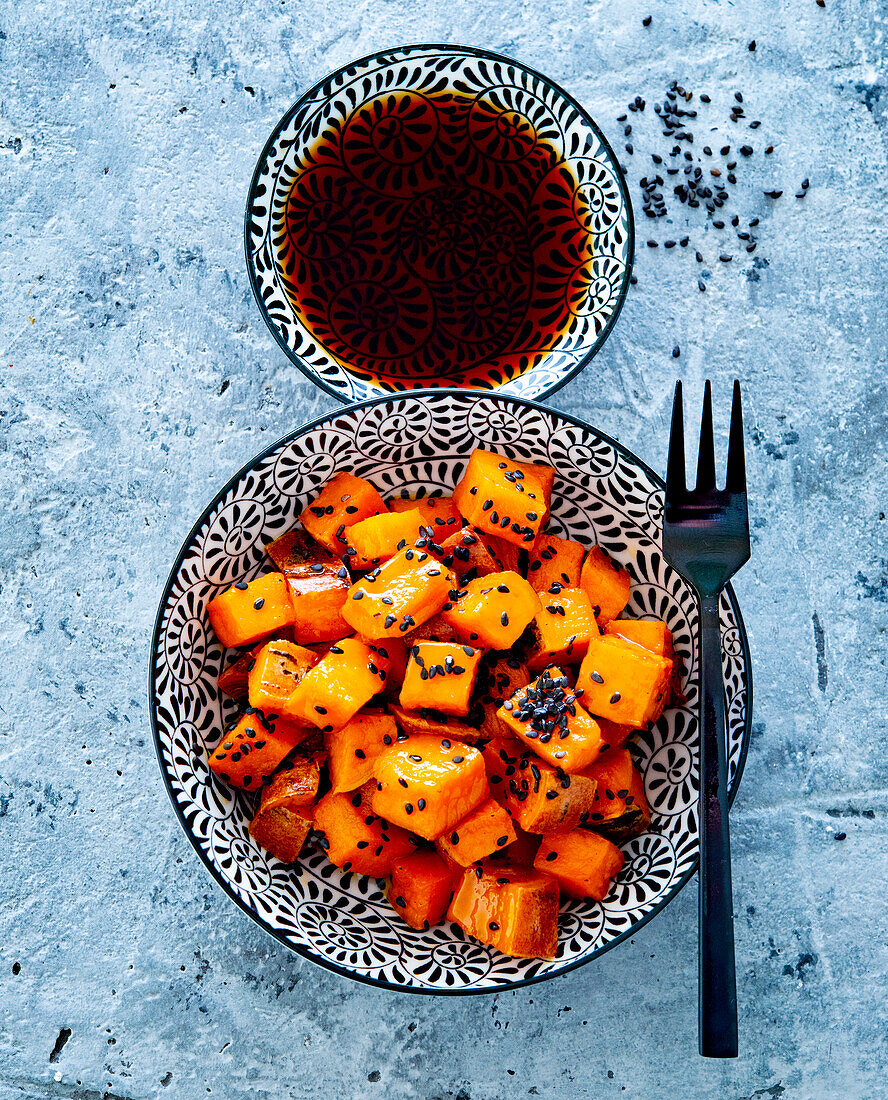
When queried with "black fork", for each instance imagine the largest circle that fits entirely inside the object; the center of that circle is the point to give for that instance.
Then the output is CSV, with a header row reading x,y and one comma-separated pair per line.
x,y
706,540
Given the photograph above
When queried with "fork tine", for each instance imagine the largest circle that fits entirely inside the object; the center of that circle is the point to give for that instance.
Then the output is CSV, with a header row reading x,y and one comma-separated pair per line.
x,y
706,454
735,479
675,463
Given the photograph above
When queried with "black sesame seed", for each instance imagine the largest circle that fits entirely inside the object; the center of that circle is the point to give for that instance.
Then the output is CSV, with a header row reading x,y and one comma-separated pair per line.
x,y
259,604
615,698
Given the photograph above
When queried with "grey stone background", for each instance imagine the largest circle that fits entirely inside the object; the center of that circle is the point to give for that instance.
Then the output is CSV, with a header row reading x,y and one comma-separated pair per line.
x,y
136,376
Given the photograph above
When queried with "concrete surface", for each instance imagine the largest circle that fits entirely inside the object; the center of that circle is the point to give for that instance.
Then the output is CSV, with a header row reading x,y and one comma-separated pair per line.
x,y
137,376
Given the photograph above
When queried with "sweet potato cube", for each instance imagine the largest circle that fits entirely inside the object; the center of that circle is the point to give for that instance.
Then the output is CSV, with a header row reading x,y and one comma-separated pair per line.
x,y
426,787
295,549
344,499
285,814
252,748
439,514
606,583
397,596
487,828
537,796
554,560
353,749
440,675
501,497
281,831
378,538
357,840
434,724
547,718
278,668
420,888
582,863
623,682
493,611
651,634
235,678
512,908
332,692
621,809
562,629
294,787
467,554
250,611
318,591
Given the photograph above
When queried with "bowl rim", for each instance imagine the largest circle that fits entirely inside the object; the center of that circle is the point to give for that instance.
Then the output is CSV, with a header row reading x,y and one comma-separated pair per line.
x,y
474,51
306,952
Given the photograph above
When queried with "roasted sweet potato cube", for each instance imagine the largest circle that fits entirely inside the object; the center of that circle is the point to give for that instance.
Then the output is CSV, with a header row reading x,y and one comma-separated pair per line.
x,y
235,678
554,560
376,539
420,888
621,809
353,749
582,863
501,497
357,840
278,668
606,583
397,596
434,724
344,499
651,634
440,675
252,748
295,549
282,831
562,629
512,908
332,692
250,611
623,682
426,787
548,719
467,554
439,514
484,830
493,611
537,796
318,592
294,787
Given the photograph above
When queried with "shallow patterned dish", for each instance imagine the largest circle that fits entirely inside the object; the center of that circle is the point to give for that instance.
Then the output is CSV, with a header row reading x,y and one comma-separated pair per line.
x,y
361,100
421,442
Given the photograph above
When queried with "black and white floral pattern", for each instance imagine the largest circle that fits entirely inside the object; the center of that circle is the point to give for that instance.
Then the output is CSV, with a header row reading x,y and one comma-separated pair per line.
x,y
602,494
589,298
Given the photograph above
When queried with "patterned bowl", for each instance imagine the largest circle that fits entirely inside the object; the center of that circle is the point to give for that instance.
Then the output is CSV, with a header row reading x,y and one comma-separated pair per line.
x,y
420,442
359,246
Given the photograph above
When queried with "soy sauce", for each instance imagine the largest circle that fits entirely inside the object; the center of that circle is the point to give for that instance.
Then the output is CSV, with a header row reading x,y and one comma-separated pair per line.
x,y
437,238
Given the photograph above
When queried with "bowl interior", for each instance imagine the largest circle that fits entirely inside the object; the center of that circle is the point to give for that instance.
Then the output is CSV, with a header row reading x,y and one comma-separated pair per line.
x,y
421,444
438,215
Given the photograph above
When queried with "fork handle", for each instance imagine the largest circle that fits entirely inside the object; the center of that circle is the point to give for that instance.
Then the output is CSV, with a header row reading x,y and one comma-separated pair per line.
x,y
717,980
